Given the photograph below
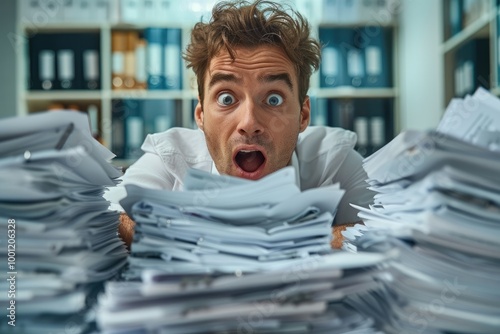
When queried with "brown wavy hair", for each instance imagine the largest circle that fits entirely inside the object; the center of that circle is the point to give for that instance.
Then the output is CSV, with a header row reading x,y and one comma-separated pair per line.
x,y
244,24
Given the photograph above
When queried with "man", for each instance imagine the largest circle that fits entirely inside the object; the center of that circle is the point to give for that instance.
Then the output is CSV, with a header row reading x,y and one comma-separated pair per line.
x,y
253,63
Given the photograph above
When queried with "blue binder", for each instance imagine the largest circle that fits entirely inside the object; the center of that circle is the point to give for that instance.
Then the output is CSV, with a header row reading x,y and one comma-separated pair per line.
x,y
118,113
155,55
378,113
340,113
376,45
89,54
472,67
319,111
455,17
133,128
159,115
333,59
42,55
173,58
355,59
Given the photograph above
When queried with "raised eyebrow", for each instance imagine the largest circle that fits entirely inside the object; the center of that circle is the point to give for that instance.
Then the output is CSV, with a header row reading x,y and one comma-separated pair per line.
x,y
285,77
219,77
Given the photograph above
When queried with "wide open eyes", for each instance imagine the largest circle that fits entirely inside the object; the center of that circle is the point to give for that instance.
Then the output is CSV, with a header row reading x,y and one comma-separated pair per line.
x,y
225,99
274,100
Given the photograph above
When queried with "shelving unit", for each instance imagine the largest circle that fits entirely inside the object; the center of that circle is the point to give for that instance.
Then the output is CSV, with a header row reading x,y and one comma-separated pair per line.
x,y
483,27
29,101
362,102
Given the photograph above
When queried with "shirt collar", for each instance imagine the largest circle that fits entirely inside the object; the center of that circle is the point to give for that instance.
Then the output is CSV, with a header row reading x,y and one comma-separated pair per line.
x,y
293,162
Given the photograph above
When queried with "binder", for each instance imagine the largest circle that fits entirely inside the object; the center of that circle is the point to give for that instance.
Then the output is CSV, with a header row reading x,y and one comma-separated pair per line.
x,y
355,59
140,64
42,55
319,111
118,113
455,20
159,115
340,113
360,126
478,53
90,52
472,68
66,67
118,49
378,132
155,54
134,128
373,122
377,47
172,58
93,113
130,63
194,103
333,60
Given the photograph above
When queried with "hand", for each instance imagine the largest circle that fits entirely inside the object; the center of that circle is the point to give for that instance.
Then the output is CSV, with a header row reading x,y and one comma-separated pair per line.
x,y
126,229
338,238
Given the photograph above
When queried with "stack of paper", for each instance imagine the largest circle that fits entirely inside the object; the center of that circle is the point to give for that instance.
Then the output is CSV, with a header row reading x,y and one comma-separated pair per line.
x,y
438,206
59,240
233,255
229,225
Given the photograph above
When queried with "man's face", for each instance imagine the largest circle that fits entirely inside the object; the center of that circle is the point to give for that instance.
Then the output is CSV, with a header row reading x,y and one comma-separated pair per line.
x,y
251,114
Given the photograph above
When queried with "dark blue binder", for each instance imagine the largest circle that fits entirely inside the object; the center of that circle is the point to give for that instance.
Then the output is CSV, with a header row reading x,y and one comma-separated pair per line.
x,y
134,128
118,114
355,59
127,128
333,58
89,54
472,66
155,55
376,45
340,113
159,115
319,111
42,64
455,20
379,115
173,58
69,60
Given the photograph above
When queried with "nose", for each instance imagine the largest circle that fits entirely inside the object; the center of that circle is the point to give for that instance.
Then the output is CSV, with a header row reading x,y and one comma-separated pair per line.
x,y
249,122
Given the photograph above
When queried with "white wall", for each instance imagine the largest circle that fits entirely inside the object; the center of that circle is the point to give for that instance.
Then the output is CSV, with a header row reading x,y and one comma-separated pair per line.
x,y
8,81
420,64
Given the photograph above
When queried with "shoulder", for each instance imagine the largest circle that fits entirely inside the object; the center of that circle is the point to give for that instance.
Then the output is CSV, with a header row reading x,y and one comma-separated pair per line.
x,y
322,154
179,142
320,140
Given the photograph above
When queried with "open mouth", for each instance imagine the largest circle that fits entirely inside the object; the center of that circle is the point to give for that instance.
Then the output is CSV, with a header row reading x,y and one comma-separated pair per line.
x,y
249,160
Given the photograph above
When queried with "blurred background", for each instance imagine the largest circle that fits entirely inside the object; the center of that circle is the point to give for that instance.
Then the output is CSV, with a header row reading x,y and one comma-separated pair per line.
x,y
387,65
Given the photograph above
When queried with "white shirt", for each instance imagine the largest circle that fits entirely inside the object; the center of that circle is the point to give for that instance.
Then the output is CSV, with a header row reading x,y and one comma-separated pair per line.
x,y
323,156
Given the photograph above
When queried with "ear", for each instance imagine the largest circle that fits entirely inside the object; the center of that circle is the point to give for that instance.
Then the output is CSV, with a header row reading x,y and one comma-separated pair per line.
x,y
198,115
305,113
